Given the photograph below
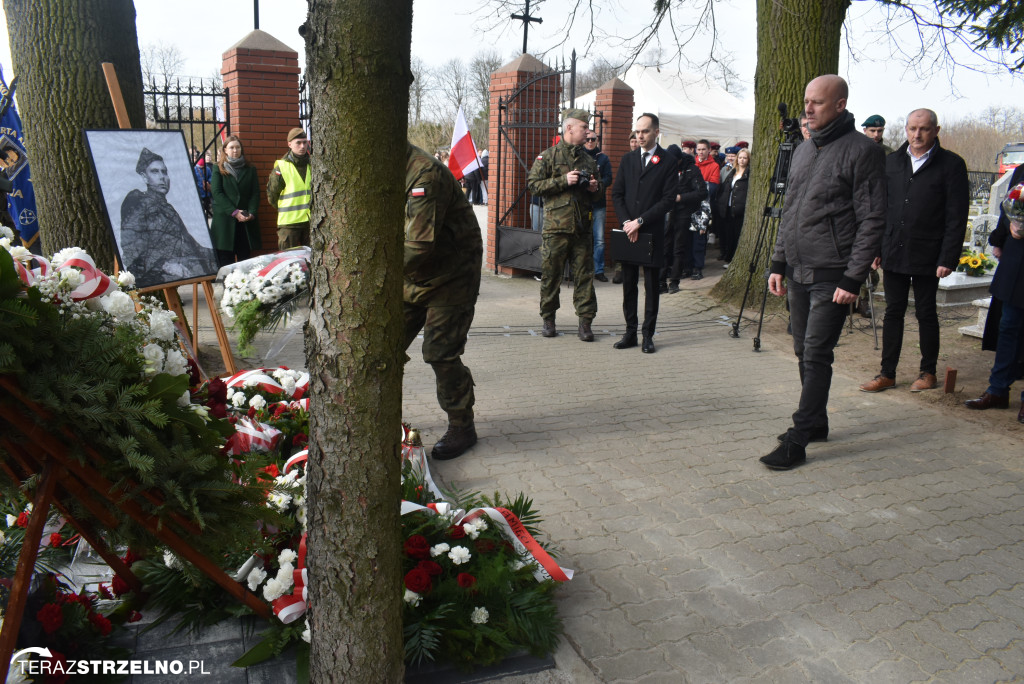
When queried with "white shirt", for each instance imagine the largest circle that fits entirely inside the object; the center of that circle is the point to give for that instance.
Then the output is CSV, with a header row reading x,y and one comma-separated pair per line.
x,y
916,162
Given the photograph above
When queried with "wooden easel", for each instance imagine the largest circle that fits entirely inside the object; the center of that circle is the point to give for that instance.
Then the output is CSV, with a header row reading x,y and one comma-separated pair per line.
x,y
41,453
169,290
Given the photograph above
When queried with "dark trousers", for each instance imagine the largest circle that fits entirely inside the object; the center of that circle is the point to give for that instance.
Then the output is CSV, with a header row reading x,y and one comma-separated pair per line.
x,y
682,251
1005,369
817,324
630,281
897,292
670,240
729,234
700,248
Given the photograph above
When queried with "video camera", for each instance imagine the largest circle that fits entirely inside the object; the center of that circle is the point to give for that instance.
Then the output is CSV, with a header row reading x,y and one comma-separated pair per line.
x,y
789,126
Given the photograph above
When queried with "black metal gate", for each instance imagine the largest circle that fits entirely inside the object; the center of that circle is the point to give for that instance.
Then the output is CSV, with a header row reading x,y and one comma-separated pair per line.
x,y
528,122
197,107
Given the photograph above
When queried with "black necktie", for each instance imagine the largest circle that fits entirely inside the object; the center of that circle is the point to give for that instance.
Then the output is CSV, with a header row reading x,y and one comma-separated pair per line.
x,y
646,157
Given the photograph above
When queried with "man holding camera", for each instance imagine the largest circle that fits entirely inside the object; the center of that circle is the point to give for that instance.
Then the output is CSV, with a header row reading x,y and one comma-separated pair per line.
x,y
567,178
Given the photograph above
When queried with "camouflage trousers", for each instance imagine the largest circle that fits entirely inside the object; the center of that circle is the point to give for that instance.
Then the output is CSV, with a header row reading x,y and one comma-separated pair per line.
x,y
578,250
295,235
444,340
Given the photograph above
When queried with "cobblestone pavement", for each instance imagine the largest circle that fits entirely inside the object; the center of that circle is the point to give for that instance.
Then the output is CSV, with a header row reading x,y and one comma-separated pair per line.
x,y
894,555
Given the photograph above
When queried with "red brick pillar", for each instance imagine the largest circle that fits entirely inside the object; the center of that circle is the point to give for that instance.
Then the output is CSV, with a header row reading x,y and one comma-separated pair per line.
x,y
615,102
539,104
262,76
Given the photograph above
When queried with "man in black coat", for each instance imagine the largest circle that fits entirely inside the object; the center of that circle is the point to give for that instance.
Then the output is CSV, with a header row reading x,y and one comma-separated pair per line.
x,y
1007,308
926,218
644,191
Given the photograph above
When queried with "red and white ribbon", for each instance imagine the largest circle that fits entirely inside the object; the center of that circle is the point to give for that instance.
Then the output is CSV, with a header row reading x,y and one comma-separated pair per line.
x,y
282,261
29,273
299,458
251,435
95,282
264,380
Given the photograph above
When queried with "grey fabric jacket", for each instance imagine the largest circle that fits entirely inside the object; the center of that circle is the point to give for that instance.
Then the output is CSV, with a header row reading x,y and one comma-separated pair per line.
x,y
834,213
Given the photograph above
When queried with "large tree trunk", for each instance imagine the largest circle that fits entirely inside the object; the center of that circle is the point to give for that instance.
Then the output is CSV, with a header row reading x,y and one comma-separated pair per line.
x,y
57,47
359,76
796,41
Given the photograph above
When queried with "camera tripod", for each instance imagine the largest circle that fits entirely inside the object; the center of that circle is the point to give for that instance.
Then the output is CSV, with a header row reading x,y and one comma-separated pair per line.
x,y
772,214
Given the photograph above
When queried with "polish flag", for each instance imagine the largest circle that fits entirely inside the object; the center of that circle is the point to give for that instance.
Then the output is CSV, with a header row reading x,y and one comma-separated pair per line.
x,y
463,157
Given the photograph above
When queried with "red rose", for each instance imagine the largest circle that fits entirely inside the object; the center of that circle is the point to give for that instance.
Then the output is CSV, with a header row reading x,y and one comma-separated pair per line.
x,y
251,412
104,592
101,623
134,616
418,580
433,569
51,617
22,519
299,439
218,391
271,470
219,411
55,539
465,580
456,532
486,545
417,546
119,586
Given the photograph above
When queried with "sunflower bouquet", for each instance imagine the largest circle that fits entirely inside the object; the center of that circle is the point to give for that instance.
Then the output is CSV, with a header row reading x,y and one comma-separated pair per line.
x,y
975,263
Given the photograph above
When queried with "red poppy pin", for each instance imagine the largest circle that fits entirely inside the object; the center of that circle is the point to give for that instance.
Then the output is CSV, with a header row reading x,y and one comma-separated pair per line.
x,y
655,159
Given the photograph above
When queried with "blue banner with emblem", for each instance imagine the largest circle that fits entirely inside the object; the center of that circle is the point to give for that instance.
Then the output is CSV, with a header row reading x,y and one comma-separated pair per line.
x,y
21,201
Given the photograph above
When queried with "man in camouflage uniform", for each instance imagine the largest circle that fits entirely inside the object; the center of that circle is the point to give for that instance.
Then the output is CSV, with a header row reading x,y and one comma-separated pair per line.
x,y
568,180
443,255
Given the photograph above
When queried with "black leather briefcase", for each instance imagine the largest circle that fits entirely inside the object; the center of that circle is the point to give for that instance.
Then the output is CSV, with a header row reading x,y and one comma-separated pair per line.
x,y
640,252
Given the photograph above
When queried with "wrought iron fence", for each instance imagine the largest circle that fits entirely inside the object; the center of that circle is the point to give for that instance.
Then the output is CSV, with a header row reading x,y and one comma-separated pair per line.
x,y
981,183
199,108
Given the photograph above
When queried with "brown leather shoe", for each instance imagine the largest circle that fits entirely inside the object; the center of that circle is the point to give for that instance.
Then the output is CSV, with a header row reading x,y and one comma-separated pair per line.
x,y
549,328
987,401
879,383
925,381
584,332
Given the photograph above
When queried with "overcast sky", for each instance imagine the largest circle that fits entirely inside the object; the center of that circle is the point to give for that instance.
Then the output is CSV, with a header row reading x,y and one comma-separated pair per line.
x,y
879,84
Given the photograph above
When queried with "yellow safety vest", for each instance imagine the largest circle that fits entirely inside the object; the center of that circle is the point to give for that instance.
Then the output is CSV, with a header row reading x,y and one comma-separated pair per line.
x,y
293,204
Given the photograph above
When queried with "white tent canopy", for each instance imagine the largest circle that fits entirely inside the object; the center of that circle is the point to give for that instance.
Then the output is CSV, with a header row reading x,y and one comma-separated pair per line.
x,y
688,105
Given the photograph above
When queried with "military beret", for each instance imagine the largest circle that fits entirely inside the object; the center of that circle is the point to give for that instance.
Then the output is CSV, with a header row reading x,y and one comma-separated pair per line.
x,y
732,150
581,114
689,143
715,146
145,159
743,144
296,133
873,121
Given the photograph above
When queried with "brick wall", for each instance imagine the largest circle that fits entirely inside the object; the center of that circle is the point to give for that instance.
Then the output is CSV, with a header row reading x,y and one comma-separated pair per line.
x,y
615,101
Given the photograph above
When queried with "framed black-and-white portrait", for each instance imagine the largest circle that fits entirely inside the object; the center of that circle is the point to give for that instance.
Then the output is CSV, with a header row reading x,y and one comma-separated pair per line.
x,y
12,156
152,205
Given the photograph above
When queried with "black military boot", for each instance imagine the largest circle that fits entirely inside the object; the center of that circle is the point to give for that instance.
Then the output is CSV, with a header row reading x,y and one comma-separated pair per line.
x,y
786,456
585,333
549,328
455,442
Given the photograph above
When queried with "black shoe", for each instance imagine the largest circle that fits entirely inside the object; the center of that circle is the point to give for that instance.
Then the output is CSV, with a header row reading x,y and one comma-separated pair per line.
x,y
648,346
628,340
818,434
584,332
549,328
617,278
697,275
663,288
601,277
455,442
673,288
786,456
686,274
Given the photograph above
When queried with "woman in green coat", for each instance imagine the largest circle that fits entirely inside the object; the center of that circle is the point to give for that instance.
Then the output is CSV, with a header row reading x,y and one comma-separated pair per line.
x,y
235,230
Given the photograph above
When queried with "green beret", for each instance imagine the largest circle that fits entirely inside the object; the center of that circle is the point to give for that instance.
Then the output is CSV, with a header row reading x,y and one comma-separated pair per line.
x,y
145,159
581,114
873,121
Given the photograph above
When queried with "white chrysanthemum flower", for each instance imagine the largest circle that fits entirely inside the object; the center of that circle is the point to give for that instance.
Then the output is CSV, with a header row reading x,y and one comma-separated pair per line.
x,y
288,385
285,576
305,634
171,561
279,500
251,382
412,598
459,555
11,519
63,255
258,402
7,233
154,355
238,399
273,589
175,363
161,325
256,577
479,616
71,278
126,279
287,556
20,253
5,242
185,399
437,550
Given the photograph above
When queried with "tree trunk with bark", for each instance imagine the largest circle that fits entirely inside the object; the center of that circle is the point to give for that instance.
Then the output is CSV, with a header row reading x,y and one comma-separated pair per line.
x,y
57,47
796,42
359,76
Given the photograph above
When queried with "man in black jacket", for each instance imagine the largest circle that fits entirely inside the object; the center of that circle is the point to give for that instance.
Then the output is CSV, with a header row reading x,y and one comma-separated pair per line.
x,y
924,233
644,191
1006,316
831,229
